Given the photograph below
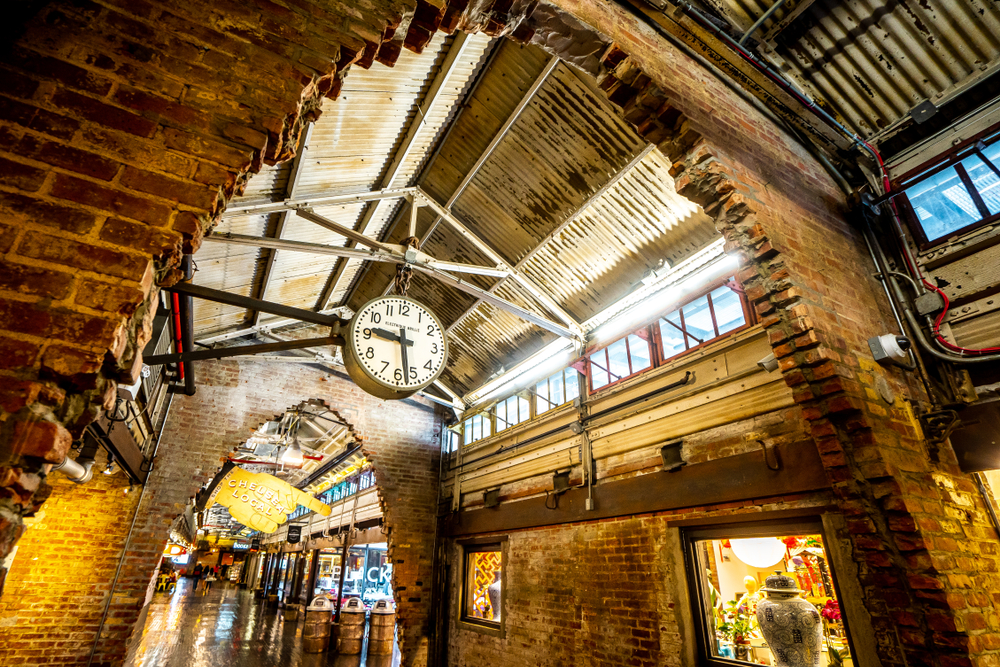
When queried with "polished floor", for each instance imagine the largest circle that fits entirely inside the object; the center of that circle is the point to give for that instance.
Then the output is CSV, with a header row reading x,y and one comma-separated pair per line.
x,y
227,627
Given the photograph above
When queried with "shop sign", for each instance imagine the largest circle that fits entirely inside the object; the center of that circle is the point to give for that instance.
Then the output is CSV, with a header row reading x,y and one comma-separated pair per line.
x,y
174,550
259,501
241,546
294,534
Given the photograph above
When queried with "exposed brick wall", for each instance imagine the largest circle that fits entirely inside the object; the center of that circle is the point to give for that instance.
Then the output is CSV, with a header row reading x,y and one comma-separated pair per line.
x,y
234,398
602,593
58,586
126,123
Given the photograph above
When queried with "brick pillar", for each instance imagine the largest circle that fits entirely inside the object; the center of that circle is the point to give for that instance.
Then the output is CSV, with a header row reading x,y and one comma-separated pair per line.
x,y
926,552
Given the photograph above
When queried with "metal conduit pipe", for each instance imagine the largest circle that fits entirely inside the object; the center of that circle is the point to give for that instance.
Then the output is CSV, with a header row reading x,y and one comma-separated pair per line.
x,y
771,10
81,473
185,315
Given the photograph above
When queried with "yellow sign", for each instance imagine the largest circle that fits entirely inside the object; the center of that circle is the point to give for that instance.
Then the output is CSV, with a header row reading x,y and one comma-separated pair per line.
x,y
260,501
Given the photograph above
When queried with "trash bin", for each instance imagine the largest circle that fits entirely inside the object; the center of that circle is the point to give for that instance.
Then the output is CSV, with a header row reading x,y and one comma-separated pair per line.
x,y
352,627
383,628
316,632
291,612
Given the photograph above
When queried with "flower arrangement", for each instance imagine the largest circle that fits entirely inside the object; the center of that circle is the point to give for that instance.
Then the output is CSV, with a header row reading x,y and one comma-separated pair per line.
x,y
831,610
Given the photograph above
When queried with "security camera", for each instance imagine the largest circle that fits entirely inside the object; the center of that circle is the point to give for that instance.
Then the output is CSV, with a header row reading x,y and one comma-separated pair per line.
x,y
889,348
769,363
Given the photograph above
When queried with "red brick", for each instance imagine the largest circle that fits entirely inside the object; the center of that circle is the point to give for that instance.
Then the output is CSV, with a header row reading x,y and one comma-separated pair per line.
x,y
81,106
34,280
82,256
112,200
67,157
184,192
29,209
39,120
135,236
20,176
42,439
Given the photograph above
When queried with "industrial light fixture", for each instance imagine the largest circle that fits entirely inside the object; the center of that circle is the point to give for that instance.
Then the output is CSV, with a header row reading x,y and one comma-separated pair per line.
x,y
560,482
110,469
293,455
769,363
491,498
759,552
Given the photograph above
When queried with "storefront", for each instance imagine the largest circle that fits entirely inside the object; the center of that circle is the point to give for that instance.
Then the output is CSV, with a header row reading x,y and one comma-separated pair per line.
x,y
368,575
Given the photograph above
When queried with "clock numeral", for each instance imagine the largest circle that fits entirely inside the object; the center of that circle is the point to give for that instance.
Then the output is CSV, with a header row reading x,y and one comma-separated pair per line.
x,y
404,309
398,374
413,373
388,310
370,353
420,316
428,365
385,365
376,318
430,329
367,333
434,349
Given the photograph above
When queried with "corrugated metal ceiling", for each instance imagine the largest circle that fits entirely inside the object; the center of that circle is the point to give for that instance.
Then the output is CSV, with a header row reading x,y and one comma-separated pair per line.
x,y
872,62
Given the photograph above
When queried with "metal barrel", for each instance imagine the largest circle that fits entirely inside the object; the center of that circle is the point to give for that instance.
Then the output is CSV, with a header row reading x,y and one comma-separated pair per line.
x,y
291,612
351,634
383,628
316,631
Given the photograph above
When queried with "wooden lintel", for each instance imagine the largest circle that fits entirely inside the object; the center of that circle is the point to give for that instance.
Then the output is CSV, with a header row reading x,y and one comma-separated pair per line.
x,y
741,477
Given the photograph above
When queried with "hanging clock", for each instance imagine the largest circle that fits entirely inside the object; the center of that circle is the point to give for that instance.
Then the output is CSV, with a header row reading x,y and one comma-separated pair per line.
x,y
394,347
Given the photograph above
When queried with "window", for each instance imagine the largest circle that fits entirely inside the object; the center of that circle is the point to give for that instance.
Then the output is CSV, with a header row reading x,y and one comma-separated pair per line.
x,y
555,390
710,316
476,428
482,595
956,195
727,567
623,358
511,411
704,319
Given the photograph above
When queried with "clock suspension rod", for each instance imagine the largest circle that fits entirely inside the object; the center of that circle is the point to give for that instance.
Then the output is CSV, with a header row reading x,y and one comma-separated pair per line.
x,y
243,350
290,312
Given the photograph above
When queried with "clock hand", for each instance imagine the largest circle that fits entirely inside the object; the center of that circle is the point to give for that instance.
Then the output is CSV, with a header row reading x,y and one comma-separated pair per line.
x,y
388,335
402,348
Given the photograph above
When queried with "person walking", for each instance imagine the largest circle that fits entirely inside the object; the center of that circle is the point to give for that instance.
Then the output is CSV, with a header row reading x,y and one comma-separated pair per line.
x,y
209,578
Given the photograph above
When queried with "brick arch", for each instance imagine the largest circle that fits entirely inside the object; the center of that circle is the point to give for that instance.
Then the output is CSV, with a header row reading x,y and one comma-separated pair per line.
x,y
129,137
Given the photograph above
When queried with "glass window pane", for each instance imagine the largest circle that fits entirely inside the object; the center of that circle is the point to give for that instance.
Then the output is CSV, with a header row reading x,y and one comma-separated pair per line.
x,y
542,389
467,431
501,414
482,586
985,179
670,333
572,384
734,570
639,351
618,356
698,320
598,369
728,309
942,204
477,428
556,382
523,410
486,426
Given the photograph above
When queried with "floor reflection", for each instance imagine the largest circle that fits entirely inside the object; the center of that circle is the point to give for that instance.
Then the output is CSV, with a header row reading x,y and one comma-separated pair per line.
x,y
227,627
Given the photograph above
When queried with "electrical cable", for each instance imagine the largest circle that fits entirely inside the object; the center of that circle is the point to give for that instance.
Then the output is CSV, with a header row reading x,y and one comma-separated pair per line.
x,y
806,101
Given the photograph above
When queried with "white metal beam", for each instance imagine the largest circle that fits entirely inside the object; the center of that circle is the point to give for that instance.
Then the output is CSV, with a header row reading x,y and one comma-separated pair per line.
x,y
458,48
325,200
562,226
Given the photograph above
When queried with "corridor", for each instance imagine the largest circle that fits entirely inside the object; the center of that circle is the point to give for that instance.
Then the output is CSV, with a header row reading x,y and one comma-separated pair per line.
x,y
227,627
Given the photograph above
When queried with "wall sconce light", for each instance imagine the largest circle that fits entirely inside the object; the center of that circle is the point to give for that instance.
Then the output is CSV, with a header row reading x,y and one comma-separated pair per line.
x,y
293,455
491,498
672,456
769,363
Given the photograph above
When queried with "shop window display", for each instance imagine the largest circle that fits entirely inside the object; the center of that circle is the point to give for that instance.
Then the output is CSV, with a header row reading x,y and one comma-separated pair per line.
x,y
483,585
368,575
729,569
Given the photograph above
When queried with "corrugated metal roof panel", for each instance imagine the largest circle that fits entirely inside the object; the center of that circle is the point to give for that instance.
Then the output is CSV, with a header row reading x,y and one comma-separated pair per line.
x,y
596,259
227,267
874,61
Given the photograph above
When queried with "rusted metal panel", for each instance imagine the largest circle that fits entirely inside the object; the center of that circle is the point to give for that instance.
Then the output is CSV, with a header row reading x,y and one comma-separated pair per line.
x,y
872,62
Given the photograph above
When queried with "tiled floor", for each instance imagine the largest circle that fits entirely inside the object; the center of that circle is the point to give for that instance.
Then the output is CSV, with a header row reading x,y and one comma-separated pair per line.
x,y
229,628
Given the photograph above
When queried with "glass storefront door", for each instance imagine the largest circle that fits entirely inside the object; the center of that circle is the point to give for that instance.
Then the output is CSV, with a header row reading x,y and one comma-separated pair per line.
x,y
368,575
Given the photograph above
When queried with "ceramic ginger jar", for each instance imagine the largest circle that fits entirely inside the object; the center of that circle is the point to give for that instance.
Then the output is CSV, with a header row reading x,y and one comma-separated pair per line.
x,y
791,626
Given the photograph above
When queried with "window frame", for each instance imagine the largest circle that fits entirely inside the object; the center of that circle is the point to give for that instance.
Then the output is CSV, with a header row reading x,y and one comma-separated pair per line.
x,y
654,337
751,526
480,545
932,167
536,397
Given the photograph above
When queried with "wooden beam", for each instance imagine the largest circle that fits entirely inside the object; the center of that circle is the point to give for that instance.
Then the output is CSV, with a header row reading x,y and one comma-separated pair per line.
x,y
729,479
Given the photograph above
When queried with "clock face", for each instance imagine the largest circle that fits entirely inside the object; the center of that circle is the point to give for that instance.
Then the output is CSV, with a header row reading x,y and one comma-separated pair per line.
x,y
397,343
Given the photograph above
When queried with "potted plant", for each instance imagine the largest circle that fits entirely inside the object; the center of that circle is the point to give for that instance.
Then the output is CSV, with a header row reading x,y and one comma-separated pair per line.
x,y
737,628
